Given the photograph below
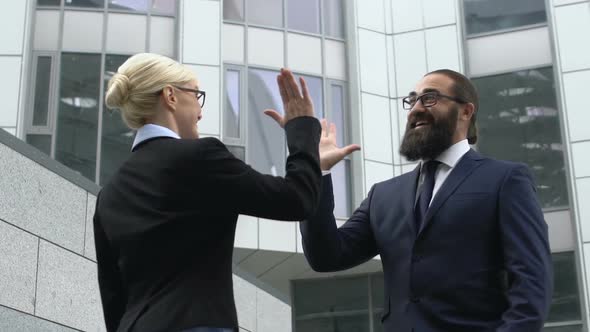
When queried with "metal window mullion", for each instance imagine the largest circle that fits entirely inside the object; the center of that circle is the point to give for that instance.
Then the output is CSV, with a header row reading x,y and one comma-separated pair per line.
x,y
323,55
30,103
57,78
244,88
148,27
105,21
243,106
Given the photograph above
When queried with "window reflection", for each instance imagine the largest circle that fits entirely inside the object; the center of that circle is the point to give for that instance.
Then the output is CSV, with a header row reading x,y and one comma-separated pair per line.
x,y
340,172
518,120
42,86
265,12
265,138
565,305
304,15
231,114
131,5
85,3
492,15
164,7
77,121
342,303
233,10
332,17
117,138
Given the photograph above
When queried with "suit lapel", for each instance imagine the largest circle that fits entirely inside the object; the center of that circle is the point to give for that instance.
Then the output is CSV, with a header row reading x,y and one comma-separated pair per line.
x,y
465,166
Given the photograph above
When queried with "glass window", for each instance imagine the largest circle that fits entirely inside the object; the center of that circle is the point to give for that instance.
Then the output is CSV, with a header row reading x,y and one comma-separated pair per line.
x,y
131,5
518,120
565,304
341,187
564,328
233,10
41,142
332,305
333,18
117,138
238,152
85,3
77,121
492,15
264,134
304,15
164,7
265,12
42,86
340,172
231,114
48,3
377,296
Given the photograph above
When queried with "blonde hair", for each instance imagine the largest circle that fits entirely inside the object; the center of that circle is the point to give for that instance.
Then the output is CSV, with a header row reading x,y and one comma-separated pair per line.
x,y
135,88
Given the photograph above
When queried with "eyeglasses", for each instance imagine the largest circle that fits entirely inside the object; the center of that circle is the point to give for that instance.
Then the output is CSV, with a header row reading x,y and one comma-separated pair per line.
x,y
198,93
428,99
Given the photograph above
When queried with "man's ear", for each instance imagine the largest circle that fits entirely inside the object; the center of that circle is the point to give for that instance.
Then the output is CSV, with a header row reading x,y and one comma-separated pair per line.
x,y
468,112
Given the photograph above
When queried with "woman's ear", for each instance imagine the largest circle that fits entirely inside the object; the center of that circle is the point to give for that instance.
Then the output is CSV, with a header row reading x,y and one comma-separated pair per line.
x,y
169,97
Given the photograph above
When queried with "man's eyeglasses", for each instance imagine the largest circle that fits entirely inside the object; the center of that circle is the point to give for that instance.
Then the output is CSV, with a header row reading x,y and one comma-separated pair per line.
x,y
428,99
198,93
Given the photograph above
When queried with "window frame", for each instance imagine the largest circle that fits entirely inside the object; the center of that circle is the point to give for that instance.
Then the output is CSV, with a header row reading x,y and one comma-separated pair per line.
x,y
499,31
30,128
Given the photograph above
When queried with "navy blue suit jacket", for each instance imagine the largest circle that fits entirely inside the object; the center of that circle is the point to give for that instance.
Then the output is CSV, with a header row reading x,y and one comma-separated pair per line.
x,y
480,262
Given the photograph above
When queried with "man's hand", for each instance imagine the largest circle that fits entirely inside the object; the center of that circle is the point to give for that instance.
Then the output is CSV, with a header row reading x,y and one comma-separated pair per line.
x,y
295,103
330,153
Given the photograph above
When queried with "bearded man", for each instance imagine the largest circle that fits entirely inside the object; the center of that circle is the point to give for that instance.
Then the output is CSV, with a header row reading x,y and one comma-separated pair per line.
x,y
462,238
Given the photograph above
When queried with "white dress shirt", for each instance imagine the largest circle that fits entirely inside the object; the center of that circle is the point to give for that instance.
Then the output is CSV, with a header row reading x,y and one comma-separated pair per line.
x,y
150,131
448,159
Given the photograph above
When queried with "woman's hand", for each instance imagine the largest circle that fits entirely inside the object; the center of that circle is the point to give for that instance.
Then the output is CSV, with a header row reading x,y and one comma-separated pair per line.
x,y
295,103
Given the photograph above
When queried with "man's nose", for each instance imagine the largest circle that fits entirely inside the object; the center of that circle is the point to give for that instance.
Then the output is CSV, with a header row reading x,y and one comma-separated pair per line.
x,y
418,107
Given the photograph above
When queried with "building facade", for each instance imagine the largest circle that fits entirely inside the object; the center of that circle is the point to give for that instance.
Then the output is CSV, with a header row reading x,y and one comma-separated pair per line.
x,y
528,58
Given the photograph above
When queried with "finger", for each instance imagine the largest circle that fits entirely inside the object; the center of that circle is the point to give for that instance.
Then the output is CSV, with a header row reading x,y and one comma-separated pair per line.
x,y
324,124
275,116
282,91
291,84
332,132
350,149
306,95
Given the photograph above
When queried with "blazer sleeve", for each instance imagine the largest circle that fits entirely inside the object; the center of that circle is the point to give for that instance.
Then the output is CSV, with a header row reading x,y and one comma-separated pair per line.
x,y
237,188
527,256
112,292
329,248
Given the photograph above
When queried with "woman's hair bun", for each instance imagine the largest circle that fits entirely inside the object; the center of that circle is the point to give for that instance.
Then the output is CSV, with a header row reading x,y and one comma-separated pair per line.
x,y
118,91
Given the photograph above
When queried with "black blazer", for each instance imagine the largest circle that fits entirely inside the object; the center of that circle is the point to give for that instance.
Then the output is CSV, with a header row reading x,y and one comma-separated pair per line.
x,y
164,227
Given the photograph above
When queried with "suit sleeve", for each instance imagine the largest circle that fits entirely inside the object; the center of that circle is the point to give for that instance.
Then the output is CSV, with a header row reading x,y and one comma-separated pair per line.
x,y
527,256
329,248
112,291
237,188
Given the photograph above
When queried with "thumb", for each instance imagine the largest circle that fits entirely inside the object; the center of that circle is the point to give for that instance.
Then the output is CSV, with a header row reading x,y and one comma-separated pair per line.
x,y
350,149
275,116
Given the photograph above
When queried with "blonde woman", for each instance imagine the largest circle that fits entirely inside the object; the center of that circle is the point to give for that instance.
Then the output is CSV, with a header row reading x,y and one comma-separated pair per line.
x,y
164,225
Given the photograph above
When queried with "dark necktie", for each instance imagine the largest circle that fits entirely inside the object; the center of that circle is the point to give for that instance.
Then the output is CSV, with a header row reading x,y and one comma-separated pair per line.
x,y
429,170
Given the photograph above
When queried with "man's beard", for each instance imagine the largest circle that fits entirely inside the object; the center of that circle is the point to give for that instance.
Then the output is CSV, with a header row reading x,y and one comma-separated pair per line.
x,y
429,143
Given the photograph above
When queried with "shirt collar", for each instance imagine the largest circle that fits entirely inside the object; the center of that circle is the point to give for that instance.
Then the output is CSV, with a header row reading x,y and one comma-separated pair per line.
x,y
452,154
151,130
